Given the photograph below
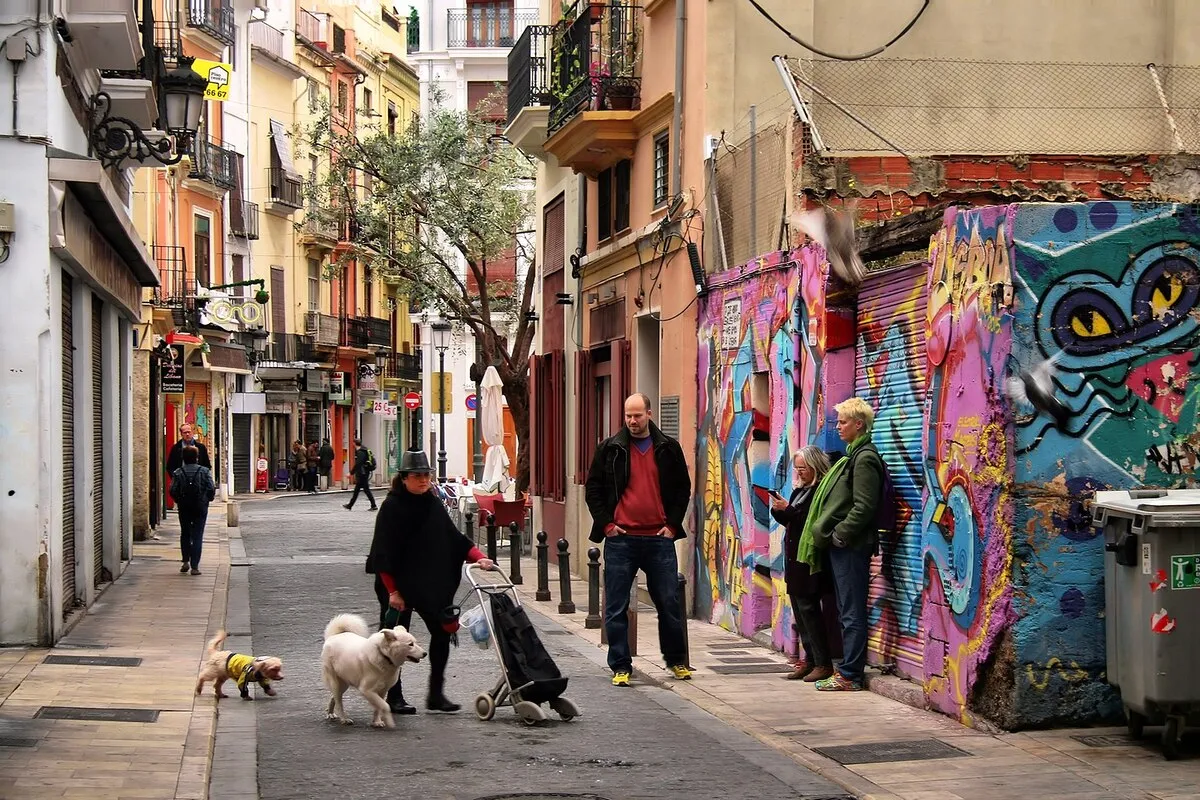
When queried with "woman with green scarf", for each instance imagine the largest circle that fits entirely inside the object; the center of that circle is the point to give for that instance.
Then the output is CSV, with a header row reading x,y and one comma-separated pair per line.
x,y
841,520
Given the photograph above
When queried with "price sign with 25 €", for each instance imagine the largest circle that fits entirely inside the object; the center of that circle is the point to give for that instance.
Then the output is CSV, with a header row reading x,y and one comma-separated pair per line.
x,y
384,409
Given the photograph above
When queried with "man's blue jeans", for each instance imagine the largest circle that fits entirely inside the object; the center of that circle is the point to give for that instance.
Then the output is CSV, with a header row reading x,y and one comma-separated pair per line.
x,y
655,556
851,569
191,534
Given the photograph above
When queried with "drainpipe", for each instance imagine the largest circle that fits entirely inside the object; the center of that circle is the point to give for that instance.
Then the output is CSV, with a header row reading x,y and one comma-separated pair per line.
x,y
677,118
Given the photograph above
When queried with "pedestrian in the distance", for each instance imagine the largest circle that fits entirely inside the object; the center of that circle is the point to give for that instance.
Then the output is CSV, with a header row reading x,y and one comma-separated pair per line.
x,y
841,521
362,475
299,466
809,589
186,439
313,455
417,556
638,490
325,462
193,489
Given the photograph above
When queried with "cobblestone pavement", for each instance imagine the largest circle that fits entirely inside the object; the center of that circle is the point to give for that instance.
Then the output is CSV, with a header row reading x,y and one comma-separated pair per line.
x,y
306,564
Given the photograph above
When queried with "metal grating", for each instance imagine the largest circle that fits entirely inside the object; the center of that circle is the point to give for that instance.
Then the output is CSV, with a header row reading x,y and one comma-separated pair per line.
x,y
1107,740
749,669
742,658
668,416
98,714
881,752
94,661
8,741
729,646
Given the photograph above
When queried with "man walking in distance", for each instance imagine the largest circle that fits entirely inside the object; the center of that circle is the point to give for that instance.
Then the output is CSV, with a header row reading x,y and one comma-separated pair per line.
x,y
362,475
175,454
842,518
638,490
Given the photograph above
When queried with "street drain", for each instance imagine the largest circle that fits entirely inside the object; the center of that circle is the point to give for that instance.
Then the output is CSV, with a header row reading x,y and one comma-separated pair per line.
x,y
8,741
93,661
730,646
740,658
749,669
1106,740
98,714
881,752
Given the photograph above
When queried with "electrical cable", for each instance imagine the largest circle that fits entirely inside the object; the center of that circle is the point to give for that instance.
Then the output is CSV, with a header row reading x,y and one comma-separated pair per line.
x,y
836,56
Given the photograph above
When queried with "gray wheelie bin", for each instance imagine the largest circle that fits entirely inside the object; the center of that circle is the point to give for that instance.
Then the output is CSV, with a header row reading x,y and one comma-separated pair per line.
x,y
1152,598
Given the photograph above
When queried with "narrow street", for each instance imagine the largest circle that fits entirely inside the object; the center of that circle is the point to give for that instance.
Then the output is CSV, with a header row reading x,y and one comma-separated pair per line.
x,y
306,564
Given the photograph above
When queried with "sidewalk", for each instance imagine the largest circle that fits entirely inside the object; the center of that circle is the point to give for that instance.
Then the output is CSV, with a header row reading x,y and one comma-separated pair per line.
x,y
798,720
151,613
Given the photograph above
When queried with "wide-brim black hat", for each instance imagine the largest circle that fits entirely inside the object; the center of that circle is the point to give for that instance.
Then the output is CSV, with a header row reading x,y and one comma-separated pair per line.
x,y
415,461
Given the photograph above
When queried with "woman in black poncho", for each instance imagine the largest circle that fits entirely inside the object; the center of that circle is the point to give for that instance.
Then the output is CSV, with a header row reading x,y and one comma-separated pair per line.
x,y
417,556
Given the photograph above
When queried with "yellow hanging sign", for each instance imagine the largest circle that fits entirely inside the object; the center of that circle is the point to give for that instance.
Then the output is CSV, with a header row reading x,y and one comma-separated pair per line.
x,y
217,73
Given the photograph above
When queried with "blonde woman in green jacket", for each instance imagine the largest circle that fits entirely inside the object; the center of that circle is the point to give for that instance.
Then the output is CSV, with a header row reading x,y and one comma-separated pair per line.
x,y
842,521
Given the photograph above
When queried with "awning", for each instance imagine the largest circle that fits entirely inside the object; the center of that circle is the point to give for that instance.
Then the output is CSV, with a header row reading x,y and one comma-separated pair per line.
x,y
278,370
103,205
283,150
230,358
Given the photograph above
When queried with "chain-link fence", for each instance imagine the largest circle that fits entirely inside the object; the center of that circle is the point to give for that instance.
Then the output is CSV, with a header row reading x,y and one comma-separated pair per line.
x,y
920,107
748,183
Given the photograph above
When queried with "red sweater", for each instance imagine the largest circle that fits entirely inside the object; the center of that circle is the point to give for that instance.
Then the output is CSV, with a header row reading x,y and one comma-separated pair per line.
x,y
473,555
640,510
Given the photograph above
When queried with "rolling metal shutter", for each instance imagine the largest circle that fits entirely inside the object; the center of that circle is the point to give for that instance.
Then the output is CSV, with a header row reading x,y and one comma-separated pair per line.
x,y
68,442
890,374
241,453
98,425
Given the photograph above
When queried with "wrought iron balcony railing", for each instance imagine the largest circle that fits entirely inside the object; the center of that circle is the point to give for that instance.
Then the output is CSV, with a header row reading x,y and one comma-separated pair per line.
x,y
213,162
243,221
606,78
379,331
528,70
354,332
266,38
413,34
214,17
486,26
403,366
172,289
283,189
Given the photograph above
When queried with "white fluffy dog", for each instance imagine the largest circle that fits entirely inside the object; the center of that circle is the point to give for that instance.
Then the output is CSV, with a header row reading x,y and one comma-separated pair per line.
x,y
370,662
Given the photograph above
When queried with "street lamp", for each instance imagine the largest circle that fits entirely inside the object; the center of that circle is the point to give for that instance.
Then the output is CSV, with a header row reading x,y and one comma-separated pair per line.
x,y
441,340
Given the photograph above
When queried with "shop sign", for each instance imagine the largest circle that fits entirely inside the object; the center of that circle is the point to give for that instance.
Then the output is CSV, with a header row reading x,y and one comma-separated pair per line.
x,y
337,387
316,380
172,372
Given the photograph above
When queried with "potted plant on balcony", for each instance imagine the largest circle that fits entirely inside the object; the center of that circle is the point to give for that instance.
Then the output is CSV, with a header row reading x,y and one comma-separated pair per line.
x,y
620,53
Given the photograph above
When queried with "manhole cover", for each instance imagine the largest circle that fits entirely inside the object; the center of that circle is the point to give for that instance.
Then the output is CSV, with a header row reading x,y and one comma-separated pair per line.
x,y
98,714
749,669
1106,740
94,661
8,741
879,752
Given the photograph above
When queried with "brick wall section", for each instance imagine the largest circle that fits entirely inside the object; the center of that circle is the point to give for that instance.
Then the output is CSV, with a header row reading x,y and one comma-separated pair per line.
x,y
892,186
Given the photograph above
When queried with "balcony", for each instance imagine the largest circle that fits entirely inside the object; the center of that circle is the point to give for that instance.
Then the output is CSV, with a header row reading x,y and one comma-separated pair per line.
x,y
104,32
319,230
529,89
310,29
413,35
595,88
379,331
402,367
322,329
267,39
486,26
355,333
172,289
213,17
212,163
243,220
284,193
132,96
166,36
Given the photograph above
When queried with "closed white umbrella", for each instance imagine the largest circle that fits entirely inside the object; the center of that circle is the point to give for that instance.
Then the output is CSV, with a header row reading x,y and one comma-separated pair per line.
x,y
491,422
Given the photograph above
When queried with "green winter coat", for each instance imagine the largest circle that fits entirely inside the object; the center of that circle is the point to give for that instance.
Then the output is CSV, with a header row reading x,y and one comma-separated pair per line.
x,y
847,516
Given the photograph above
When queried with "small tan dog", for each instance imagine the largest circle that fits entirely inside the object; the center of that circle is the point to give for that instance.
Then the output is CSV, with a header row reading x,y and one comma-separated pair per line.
x,y
225,665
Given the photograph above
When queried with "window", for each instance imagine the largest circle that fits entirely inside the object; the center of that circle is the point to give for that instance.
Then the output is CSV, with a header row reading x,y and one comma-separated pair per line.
x,y
201,249
662,150
343,98
314,284
339,38
612,199
392,116
367,101
487,98
314,95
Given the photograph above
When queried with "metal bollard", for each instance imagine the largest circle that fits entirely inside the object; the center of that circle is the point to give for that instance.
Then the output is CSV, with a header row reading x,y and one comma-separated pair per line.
x,y
514,554
543,568
593,616
470,531
565,604
681,586
491,540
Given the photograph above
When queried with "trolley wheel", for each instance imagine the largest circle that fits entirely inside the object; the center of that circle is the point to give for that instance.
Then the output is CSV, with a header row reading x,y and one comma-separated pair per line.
x,y
1135,722
565,708
530,713
1170,738
485,706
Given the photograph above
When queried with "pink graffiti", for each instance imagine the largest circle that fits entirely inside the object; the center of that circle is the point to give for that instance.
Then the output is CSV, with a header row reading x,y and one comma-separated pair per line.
x,y
1162,383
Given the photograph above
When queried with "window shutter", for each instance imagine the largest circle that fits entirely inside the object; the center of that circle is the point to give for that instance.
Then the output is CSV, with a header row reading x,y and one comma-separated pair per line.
x,y
604,205
621,177
584,431
536,439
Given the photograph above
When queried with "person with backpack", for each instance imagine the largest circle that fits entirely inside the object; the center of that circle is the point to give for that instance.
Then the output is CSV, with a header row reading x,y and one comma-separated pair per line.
x,y
842,521
192,488
364,465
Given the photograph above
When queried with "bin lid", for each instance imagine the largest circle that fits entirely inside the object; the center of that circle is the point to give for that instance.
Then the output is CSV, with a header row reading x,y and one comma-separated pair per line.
x,y
1172,507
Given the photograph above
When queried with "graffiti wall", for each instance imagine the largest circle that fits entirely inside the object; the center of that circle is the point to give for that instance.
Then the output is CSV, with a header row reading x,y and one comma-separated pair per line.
x,y
1107,292
759,399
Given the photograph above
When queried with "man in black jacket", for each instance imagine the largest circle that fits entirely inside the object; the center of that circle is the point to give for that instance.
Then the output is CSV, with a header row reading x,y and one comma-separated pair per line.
x,y
638,491
175,454
362,475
